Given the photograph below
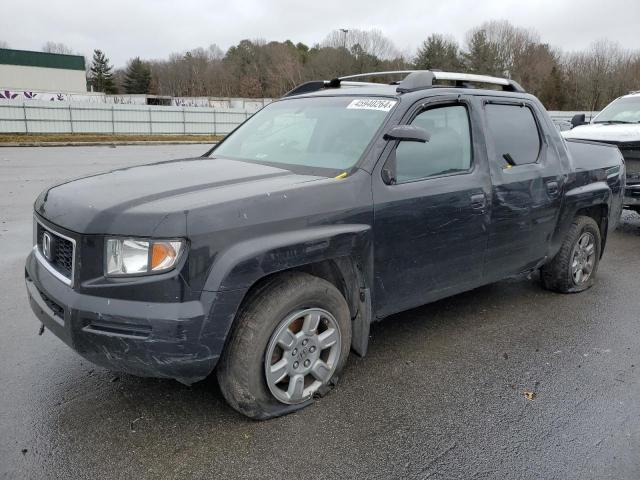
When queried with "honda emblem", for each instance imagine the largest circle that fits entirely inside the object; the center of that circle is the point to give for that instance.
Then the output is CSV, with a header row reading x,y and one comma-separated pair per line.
x,y
46,246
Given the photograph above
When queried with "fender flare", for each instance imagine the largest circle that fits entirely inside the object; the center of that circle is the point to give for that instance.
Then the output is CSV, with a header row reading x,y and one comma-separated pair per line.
x,y
596,194
244,263
237,268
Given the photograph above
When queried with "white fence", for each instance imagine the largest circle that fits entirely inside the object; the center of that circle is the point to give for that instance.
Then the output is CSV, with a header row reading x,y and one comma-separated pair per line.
x,y
80,117
59,117
251,104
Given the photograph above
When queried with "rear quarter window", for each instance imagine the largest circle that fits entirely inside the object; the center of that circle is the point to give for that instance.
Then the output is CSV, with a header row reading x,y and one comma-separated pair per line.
x,y
514,132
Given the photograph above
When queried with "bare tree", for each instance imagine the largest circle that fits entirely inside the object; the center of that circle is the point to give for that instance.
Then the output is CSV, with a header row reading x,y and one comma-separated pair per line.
x,y
373,42
3,44
598,75
501,43
215,52
284,69
510,41
587,79
57,47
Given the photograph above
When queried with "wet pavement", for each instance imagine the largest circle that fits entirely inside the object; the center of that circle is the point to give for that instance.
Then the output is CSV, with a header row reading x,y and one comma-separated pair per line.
x,y
442,393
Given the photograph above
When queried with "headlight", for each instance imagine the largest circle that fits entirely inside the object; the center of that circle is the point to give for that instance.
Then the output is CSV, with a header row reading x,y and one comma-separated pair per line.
x,y
131,256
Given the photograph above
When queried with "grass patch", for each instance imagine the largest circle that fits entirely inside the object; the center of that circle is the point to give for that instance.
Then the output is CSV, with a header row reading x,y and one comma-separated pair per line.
x,y
93,137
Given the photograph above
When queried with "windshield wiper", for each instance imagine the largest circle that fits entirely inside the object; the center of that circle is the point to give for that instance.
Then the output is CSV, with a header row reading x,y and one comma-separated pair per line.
x,y
612,121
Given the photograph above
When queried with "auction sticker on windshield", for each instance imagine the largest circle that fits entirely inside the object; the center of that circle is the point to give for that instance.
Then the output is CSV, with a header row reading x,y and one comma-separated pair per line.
x,y
372,104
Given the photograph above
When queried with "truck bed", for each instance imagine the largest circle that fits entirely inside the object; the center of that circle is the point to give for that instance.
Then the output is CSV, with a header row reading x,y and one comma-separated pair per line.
x,y
593,156
599,162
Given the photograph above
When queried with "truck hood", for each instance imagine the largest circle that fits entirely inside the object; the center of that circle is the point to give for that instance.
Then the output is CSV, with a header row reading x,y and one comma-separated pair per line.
x,y
605,132
154,199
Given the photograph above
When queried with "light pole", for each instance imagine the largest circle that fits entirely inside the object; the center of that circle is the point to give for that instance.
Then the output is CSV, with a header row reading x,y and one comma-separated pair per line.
x,y
344,37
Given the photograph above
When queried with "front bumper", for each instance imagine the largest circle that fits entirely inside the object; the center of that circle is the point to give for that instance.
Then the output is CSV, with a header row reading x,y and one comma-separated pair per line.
x,y
142,338
632,196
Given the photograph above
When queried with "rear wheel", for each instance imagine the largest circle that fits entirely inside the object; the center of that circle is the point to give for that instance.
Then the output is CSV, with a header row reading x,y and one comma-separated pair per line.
x,y
289,345
574,267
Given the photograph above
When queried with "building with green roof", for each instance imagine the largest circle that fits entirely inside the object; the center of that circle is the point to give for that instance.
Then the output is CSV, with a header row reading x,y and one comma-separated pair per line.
x,y
24,71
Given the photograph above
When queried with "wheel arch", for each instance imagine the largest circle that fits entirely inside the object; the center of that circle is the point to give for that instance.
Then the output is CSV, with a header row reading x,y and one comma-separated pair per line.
x,y
341,272
339,254
592,200
600,214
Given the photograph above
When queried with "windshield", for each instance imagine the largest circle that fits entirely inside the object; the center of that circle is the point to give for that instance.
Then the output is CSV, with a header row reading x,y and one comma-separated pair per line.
x,y
622,110
324,132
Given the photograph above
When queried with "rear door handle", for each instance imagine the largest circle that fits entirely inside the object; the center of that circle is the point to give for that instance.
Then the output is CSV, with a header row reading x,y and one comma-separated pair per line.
x,y
478,201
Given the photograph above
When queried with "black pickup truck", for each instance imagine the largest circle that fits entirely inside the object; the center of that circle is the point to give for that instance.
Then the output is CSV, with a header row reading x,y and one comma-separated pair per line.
x,y
266,259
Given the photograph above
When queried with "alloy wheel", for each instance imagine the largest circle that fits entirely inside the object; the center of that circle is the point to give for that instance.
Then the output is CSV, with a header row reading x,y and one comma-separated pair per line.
x,y
302,355
583,258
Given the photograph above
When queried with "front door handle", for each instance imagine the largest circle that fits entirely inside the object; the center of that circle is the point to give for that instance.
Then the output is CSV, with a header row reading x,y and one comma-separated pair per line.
x,y
479,202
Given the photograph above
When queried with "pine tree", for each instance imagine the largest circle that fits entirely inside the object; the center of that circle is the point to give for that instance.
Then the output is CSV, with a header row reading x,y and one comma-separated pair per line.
x,y
553,93
137,77
439,52
482,56
100,74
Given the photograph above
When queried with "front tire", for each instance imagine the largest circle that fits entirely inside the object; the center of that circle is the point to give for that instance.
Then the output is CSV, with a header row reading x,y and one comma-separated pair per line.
x,y
289,345
574,267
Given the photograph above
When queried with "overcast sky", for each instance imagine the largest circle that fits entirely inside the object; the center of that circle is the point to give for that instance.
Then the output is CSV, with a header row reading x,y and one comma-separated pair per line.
x,y
155,28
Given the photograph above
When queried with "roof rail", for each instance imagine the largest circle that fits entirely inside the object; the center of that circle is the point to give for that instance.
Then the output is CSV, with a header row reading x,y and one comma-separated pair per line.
x,y
425,78
415,80
377,74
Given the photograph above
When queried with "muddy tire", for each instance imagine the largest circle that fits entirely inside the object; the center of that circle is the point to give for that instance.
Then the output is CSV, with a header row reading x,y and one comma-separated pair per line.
x,y
288,346
574,267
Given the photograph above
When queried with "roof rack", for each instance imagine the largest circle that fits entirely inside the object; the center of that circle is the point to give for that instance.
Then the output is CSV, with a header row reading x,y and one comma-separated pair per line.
x,y
415,80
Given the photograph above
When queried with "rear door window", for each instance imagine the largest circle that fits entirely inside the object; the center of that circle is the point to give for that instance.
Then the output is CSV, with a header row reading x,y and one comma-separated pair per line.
x,y
513,132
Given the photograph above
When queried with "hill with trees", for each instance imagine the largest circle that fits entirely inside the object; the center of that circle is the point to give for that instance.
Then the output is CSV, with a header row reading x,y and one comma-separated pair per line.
x,y
582,80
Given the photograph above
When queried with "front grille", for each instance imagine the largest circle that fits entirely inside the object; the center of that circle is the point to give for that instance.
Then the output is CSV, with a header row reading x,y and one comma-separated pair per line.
x,y
631,154
632,166
61,251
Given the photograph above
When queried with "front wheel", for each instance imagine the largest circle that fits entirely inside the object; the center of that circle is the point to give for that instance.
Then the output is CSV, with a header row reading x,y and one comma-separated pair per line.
x,y
288,346
574,267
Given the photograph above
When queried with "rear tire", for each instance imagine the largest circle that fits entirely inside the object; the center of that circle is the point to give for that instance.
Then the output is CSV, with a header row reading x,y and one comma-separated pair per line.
x,y
269,368
574,267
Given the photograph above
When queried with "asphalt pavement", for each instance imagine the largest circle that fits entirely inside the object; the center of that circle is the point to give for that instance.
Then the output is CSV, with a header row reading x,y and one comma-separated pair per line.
x,y
505,381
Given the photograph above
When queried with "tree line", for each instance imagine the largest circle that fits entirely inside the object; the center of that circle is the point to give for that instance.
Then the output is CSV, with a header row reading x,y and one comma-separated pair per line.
x,y
582,80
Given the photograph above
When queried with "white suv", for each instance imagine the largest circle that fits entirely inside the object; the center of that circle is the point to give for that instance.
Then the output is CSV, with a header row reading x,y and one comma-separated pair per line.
x,y
618,124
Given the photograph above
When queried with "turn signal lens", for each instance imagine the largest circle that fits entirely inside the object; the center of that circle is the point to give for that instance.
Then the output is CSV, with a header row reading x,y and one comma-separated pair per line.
x,y
164,255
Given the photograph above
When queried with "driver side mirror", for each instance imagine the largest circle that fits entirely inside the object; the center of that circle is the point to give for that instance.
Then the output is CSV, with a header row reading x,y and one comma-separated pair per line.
x,y
408,133
577,120
405,133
